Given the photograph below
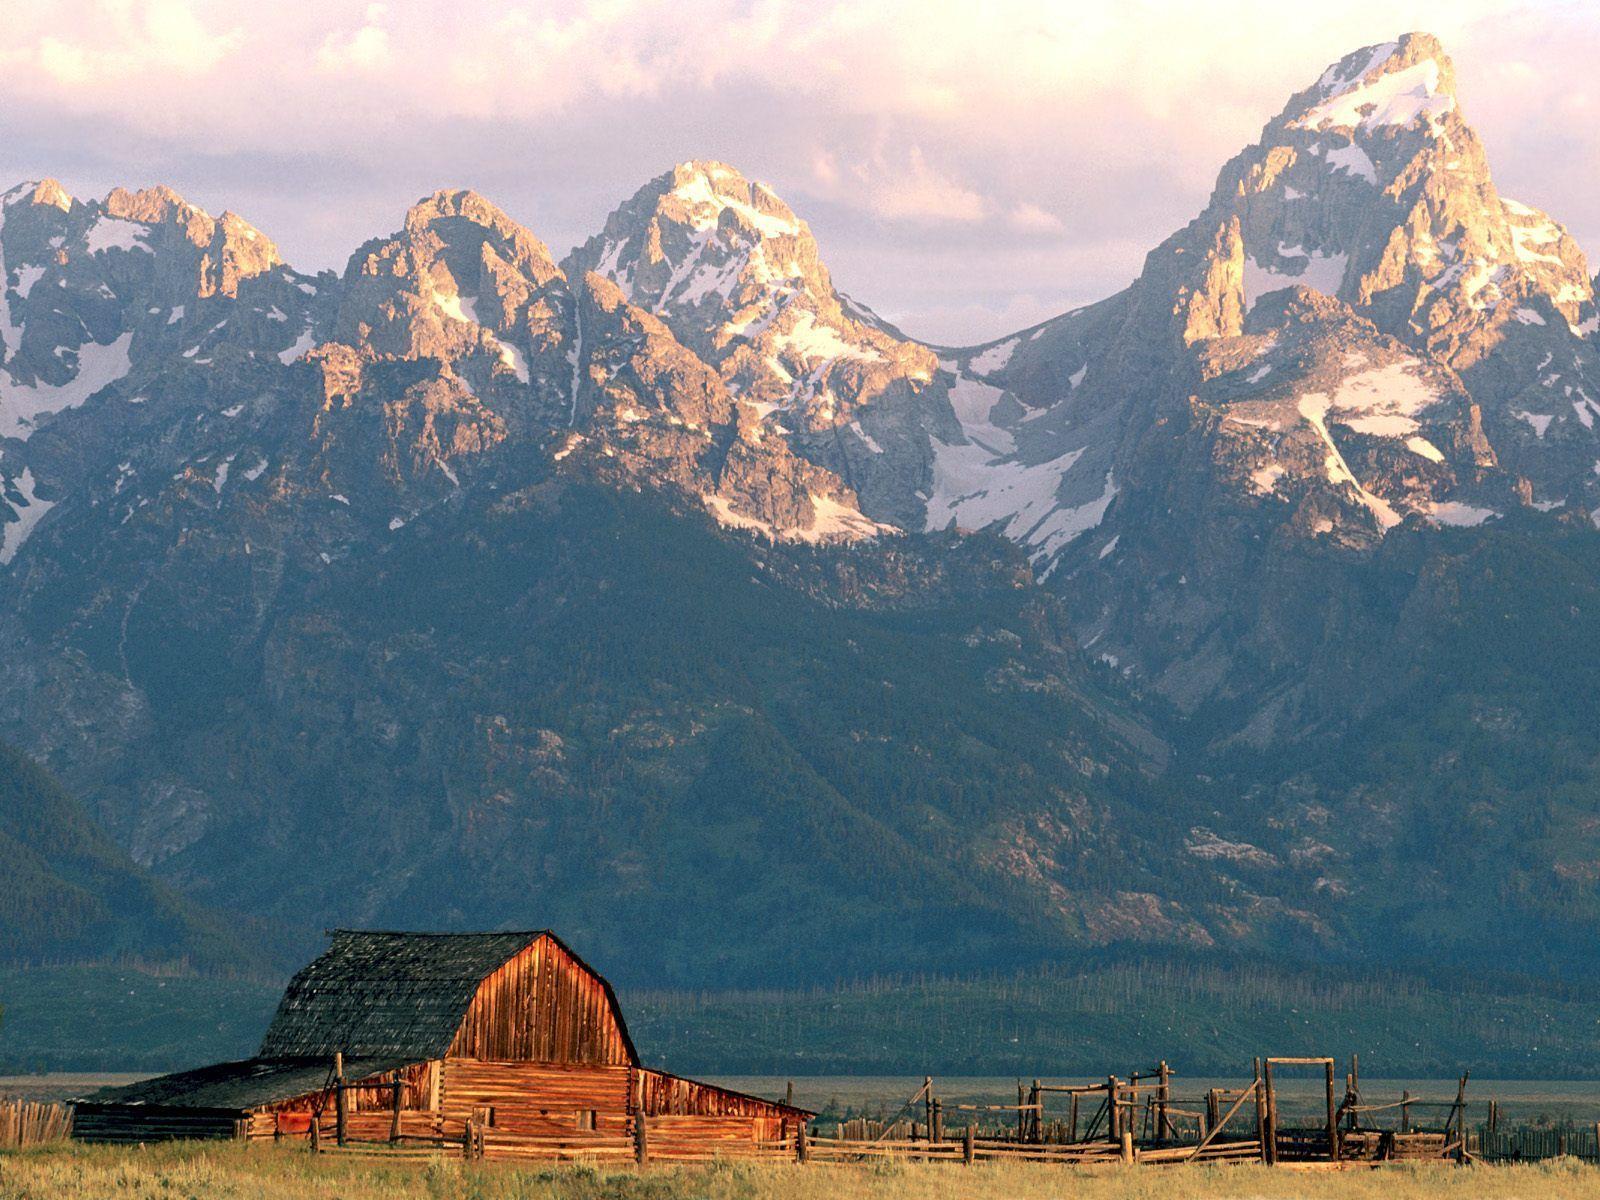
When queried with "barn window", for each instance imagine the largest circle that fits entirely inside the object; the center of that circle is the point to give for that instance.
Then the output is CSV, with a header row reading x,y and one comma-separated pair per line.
x,y
484,1116
586,1119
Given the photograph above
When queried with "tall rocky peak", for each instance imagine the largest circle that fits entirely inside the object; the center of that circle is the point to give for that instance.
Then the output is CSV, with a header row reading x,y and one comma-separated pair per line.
x,y
701,239
460,278
737,276
1371,186
48,193
89,289
231,249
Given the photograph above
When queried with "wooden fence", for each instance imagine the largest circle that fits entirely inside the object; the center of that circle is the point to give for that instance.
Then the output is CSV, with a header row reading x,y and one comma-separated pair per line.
x,y
24,1123
662,1143
1529,1143
662,1146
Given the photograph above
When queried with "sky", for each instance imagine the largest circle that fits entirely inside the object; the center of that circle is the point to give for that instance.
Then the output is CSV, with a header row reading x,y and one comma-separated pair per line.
x,y
967,168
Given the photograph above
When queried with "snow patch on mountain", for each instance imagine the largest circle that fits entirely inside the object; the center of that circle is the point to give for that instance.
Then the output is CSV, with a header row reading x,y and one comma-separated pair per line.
x,y
832,522
1314,408
706,205
1311,269
1454,512
10,331
808,342
1384,401
298,350
21,405
115,233
994,358
1394,98
29,510
1426,449
1352,159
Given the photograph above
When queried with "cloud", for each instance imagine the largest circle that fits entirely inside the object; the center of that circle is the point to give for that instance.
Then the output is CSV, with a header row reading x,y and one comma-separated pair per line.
x,y
365,49
917,191
1030,218
120,40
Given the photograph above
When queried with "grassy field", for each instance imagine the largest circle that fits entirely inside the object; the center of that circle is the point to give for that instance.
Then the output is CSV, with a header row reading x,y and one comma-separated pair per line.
x,y
191,1172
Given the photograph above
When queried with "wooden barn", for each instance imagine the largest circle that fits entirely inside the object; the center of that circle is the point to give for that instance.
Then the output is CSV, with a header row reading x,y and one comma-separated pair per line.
x,y
506,1037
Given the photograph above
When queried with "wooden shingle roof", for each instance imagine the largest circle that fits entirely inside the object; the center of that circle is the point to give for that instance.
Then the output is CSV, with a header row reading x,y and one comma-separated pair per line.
x,y
386,994
243,1085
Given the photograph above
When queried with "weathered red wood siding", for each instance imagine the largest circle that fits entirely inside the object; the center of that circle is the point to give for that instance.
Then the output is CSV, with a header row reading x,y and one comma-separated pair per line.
x,y
668,1096
542,1006
369,1104
538,1098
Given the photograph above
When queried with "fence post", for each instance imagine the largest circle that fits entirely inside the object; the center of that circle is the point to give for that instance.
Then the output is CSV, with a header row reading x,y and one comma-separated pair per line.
x,y
969,1150
1113,1109
316,1131
394,1123
641,1140
1261,1112
1333,1117
1405,1112
1127,1147
467,1141
1272,1117
339,1099
802,1144
1163,1096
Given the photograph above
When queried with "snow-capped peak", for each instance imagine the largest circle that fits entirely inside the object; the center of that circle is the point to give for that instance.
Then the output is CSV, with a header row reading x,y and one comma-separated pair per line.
x,y
704,239
706,190
1391,84
736,276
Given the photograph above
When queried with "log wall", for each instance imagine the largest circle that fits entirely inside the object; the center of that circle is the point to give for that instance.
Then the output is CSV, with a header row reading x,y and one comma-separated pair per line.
x,y
133,1123
538,1098
663,1095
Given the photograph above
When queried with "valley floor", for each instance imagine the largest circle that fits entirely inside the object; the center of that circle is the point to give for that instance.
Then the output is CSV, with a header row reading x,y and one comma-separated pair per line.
x,y
267,1173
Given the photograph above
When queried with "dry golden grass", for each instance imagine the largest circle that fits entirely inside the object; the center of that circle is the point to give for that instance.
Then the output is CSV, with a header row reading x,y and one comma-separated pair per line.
x,y
192,1172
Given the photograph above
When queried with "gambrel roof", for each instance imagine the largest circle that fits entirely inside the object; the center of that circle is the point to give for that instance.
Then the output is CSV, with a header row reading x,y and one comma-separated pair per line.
x,y
379,994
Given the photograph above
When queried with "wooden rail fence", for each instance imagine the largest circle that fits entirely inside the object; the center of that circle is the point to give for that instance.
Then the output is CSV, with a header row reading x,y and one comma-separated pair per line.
x,y
25,1123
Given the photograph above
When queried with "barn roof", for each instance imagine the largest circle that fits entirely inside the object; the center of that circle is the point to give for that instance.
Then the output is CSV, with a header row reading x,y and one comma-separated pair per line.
x,y
243,1085
379,993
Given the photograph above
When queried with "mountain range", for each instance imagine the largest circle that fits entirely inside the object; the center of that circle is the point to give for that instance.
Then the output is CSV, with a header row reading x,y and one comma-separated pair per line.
x,y
666,595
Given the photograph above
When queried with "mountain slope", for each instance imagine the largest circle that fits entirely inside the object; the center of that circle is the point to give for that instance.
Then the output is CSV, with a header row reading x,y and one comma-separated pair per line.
x,y
69,894
663,583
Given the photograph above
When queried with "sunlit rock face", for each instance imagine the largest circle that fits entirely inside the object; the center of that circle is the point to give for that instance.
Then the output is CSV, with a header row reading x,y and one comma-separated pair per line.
x,y
1358,335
